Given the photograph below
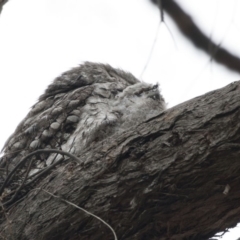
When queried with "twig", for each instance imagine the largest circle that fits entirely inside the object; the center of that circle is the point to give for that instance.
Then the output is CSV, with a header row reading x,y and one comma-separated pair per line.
x,y
82,209
43,171
191,31
6,216
11,174
22,184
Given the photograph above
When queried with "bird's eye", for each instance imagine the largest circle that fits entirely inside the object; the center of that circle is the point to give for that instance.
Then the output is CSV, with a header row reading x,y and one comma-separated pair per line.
x,y
154,95
138,94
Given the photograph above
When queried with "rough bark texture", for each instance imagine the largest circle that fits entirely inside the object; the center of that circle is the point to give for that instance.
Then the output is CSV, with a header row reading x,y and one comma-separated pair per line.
x,y
162,179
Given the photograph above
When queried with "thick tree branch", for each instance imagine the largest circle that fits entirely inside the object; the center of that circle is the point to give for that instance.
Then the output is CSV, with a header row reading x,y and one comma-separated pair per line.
x,y
175,176
191,31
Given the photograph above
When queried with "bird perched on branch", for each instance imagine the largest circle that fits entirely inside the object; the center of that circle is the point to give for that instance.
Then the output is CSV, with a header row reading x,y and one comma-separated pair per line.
x,y
80,108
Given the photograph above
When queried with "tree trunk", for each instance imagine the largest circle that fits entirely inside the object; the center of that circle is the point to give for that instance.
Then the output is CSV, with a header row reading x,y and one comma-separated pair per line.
x,y
175,176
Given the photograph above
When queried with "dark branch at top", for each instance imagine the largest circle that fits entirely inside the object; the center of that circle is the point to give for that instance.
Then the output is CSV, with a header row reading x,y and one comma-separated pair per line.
x,y
191,31
2,2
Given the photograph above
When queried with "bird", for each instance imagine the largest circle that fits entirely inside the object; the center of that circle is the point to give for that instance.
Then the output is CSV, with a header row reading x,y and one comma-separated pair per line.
x,y
80,108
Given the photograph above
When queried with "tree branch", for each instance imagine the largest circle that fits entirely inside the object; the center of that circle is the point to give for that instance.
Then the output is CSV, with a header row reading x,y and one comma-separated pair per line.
x,y
2,2
191,31
175,176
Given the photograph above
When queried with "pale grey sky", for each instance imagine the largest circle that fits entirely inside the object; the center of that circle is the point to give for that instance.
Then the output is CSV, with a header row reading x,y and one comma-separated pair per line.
x,y
39,39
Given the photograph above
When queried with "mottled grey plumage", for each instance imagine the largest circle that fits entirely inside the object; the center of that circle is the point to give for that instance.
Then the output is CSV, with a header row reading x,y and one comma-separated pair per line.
x,y
81,107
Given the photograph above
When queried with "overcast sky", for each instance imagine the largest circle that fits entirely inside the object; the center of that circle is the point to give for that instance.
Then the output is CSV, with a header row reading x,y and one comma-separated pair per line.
x,y
40,39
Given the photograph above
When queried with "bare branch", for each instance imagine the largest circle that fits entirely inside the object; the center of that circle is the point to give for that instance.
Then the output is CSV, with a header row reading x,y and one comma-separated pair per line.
x,y
191,31
2,2
41,173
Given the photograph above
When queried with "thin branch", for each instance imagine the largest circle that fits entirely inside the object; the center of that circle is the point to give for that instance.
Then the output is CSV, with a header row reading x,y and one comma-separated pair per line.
x,y
11,174
2,2
191,31
82,209
161,10
22,184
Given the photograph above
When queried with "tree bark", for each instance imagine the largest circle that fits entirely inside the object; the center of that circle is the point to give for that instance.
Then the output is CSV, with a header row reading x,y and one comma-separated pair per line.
x,y
175,176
